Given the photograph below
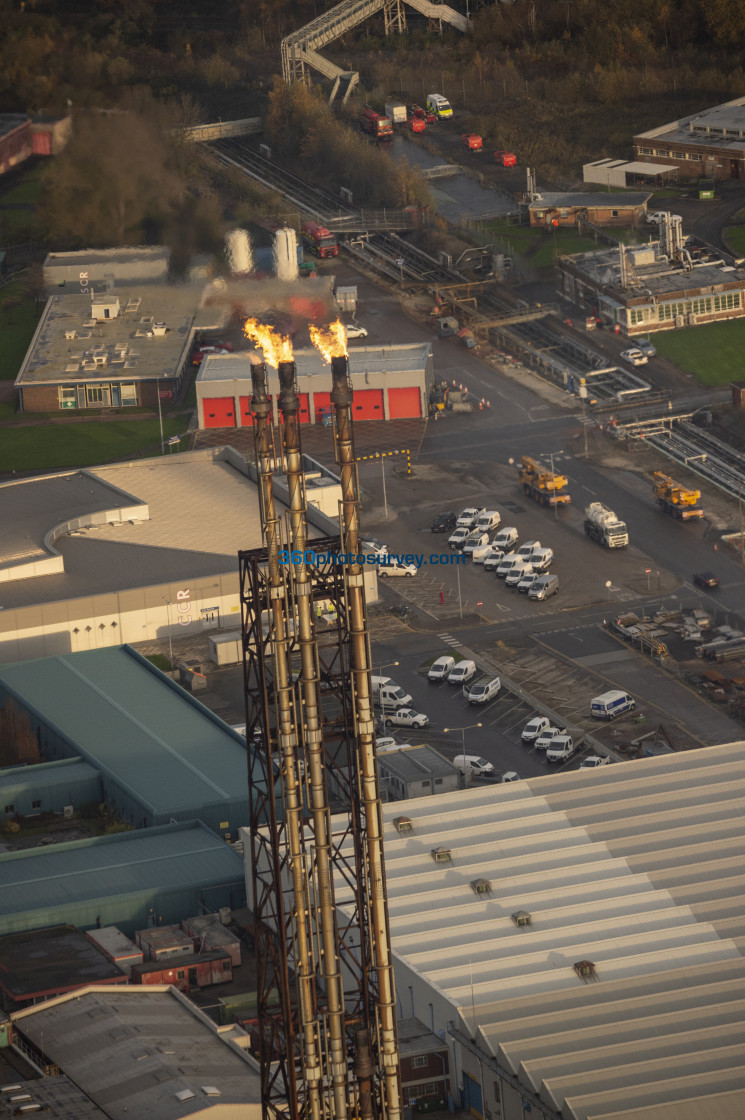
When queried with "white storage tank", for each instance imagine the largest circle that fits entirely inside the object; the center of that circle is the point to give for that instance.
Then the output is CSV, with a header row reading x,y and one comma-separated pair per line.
x,y
285,254
238,251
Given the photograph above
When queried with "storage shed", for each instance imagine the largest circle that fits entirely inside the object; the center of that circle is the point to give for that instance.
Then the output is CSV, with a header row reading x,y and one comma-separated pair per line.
x,y
118,948
164,942
49,787
186,973
130,880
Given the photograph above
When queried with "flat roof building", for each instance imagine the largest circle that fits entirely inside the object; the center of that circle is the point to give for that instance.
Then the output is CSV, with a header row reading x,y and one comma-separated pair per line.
x,y
562,208
581,946
44,963
130,880
710,143
416,771
146,1052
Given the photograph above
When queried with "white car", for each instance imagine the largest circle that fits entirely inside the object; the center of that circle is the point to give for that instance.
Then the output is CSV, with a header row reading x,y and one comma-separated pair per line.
x,y
593,761
468,517
462,672
482,692
546,737
440,669
634,357
520,571
533,728
386,743
396,568
658,216
354,330
492,559
406,717
458,537
372,544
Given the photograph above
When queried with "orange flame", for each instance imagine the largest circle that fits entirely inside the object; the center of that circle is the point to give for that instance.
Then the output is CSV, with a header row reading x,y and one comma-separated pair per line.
x,y
277,347
330,341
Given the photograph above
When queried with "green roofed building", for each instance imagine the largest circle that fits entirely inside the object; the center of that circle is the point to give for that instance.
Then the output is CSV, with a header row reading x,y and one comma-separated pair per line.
x,y
162,756
130,880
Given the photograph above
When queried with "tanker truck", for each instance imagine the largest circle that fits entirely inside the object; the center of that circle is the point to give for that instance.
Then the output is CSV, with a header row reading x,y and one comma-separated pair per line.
x,y
602,525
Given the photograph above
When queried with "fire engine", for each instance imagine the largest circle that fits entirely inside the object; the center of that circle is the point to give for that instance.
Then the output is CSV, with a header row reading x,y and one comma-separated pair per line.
x,y
376,124
318,240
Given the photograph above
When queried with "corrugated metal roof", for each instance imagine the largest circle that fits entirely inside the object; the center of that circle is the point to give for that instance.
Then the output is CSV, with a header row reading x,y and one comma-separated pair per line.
x,y
64,874
401,357
62,772
148,735
640,872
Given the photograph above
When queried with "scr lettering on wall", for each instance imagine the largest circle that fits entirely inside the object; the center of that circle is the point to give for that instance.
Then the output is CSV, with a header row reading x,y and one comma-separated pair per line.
x,y
84,288
183,606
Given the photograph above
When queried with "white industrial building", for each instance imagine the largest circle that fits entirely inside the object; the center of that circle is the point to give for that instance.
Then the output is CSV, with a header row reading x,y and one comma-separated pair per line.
x,y
579,938
136,552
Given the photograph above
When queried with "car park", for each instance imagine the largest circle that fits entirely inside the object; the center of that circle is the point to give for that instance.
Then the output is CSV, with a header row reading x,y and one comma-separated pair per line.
x,y
527,582
440,669
483,691
507,563
546,737
406,717
533,728
392,567
593,761
468,517
707,580
492,558
517,573
544,587
462,672
443,523
458,537
634,357
475,540
354,330
506,538
646,346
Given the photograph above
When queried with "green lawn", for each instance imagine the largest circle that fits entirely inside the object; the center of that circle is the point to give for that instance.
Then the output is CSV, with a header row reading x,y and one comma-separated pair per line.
x,y
25,188
59,446
17,326
714,354
734,237
540,247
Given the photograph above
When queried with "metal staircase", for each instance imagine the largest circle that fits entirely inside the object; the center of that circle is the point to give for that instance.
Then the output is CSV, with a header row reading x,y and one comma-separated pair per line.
x,y
300,49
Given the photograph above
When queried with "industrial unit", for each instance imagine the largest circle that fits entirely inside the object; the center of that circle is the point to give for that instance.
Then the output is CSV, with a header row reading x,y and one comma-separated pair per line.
x,y
577,939
661,286
49,787
566,209
134,552
416,771
710,143
144,1052
44,963
390,383
161,755
131,880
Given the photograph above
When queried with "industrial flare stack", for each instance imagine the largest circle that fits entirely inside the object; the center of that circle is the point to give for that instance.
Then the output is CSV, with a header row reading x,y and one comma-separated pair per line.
x,y
326,997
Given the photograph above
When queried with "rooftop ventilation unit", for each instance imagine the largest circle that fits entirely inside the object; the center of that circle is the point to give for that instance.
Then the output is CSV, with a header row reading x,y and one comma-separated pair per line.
x,y
185,1095
403,824
585,970
441,855
523,918
481,886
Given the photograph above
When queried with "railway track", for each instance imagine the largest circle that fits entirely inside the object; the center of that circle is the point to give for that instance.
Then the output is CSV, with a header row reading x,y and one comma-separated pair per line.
x,y
704,454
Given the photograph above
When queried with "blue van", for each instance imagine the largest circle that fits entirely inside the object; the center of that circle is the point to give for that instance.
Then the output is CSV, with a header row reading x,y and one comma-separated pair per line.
x,y
611,704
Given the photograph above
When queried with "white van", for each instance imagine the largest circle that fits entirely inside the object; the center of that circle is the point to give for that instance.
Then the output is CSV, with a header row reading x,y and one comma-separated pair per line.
x,y
540,559
439,670
508,563
544,587
560,749
528,549
472,764
506,538
611,704
490,519
387,694
439,105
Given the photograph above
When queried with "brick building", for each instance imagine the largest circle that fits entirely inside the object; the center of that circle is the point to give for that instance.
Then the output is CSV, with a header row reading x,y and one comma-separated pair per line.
x,y
709,144
567,209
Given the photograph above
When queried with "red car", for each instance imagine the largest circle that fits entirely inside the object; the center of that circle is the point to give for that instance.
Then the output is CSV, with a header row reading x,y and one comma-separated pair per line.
x,y
202,350
423,114
507,159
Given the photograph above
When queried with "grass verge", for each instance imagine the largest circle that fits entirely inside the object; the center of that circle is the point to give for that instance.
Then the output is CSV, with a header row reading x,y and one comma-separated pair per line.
x,y
18,318
42,447
734,237
712,353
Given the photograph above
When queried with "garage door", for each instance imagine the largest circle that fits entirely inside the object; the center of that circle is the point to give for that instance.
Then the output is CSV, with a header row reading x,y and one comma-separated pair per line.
x,y
246,414
472,1100
368,404
219,412
321,406
304,413
404,403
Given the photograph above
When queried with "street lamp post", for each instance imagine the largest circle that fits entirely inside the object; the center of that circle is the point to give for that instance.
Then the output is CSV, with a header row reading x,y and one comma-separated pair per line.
x,y
388,665
462,730
168,616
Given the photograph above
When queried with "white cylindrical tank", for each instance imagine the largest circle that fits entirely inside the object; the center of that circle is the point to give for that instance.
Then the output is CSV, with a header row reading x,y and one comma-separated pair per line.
x,y
238,251
285,254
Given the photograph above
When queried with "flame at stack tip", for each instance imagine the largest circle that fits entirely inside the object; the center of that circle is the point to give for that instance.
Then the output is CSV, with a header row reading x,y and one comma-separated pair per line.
x,y
330,341
277,347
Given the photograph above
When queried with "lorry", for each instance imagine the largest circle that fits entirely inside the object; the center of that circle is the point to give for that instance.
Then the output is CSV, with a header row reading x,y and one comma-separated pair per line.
x,y
543,486
602,525
472,141
375,124
319,241
672,498
396,112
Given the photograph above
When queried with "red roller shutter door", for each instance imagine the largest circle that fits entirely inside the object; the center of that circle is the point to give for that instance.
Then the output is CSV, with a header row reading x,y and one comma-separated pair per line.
x,y
368,404
219,412
404,403
321,406
304,413
247,418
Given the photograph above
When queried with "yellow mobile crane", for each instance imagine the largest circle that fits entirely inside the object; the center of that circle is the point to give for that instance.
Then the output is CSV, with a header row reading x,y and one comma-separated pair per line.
x,y
544,487
675,499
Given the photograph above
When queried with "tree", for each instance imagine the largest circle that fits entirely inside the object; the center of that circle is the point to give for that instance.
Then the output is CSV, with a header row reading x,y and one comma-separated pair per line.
x,y
18,743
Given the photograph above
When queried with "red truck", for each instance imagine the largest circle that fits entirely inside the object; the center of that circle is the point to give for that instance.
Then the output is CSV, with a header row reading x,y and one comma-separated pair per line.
x,y
472,141
376,124
319,241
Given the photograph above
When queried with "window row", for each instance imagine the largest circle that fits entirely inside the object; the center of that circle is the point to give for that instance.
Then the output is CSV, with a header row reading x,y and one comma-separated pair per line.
x,y
116,394
705,305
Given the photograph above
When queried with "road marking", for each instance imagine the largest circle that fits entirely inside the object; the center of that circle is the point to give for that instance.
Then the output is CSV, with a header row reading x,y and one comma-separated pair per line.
x,y
449,640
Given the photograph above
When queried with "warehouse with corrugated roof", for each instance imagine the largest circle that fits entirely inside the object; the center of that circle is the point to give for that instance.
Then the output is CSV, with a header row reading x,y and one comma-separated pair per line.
x,y
579,938
162,755
130,880
49,787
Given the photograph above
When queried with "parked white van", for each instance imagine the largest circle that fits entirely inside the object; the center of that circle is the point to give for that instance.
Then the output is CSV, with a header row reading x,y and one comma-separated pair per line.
x,y
506,538
439,670
508,563
540,559
490,519
560,749
544,586
611,704
472,764
388,695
